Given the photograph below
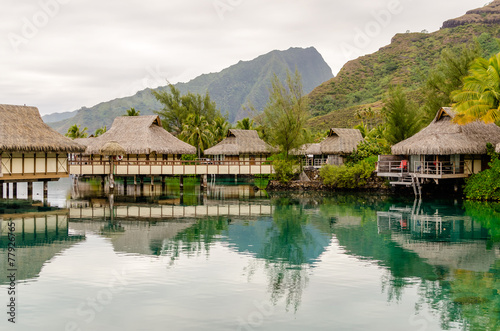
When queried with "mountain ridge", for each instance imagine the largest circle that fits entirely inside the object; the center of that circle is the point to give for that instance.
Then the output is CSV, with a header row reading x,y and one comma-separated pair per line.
x,y
231,88
406,61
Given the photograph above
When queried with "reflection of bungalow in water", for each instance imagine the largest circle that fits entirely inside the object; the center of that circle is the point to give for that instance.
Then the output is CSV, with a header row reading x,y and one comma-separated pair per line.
x,y
454,242
241,145
39,237
442,150
29,149
100,210
143,140
136,237
333,149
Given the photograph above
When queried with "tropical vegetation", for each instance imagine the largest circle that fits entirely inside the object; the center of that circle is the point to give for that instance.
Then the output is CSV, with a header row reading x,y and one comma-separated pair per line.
x,y
286,113
132,112
75,132
193,118
479,98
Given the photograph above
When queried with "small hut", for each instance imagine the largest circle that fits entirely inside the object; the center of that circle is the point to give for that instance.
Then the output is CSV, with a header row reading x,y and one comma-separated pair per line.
x,y
241,145
29,149
142,138
442,149
333,149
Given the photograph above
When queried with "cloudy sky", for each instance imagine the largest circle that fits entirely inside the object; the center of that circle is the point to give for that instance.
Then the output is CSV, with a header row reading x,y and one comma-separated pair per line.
x,y
60,55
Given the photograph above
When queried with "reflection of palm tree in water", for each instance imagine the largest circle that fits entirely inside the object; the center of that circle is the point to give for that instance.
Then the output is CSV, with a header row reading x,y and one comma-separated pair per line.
x,y
290,246
193,240
284,246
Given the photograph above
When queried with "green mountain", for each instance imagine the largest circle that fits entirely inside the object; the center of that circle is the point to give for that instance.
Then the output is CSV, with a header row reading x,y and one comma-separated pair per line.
x,y
407,61
231,88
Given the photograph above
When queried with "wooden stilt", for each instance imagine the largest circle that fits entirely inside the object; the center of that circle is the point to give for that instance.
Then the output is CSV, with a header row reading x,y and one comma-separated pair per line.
x,y
203,182
14,190
163,185
45,193
1,190
30,190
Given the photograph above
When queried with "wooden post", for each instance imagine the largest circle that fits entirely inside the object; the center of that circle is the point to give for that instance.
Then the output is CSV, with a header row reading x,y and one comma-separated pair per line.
x,y
181,183
203,182
14,190
141,178
30,190
111,175
125,185
163,184
1,190
45,193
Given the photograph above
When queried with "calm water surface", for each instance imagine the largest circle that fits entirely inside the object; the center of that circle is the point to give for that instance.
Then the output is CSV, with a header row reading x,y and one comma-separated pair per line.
x,y
234,258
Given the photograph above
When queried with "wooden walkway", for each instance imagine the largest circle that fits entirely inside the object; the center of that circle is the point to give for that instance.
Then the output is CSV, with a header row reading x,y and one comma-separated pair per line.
x,y
159,168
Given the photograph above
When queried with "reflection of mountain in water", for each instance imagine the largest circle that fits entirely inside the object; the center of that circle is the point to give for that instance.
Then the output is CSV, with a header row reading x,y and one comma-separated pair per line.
x,y
38,238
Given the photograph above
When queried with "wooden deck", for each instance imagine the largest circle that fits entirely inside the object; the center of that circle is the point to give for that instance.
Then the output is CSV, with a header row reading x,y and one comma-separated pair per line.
x,y
430,170
157,168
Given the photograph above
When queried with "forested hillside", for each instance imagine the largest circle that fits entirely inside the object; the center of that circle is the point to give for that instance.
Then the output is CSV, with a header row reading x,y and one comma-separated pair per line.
x,y
407,61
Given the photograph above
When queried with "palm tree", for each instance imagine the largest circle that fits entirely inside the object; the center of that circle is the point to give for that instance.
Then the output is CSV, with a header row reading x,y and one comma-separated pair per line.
x,y
196,132
74,132
219,129
132,112
479,98
245,124
100,131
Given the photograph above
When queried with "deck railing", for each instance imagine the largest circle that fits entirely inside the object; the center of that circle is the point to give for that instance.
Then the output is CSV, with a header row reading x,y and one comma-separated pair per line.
x,y
317,163
392,167
169,167
423,167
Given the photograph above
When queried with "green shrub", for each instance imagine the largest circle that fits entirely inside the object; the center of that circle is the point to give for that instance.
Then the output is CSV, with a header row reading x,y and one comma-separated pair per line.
x,y
348,176
484,185
284,170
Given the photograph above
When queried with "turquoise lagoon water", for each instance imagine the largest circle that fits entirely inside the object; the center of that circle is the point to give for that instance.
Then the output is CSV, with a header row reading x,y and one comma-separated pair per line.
x,y
234,258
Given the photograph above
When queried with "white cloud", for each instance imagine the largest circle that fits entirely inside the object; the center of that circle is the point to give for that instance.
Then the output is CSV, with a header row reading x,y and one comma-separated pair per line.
x,y
78,53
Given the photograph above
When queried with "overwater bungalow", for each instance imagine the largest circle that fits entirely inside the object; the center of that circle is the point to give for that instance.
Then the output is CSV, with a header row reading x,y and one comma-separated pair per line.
x,y
149,150
333,149
442,150
29,149
242,146
143,138
138,143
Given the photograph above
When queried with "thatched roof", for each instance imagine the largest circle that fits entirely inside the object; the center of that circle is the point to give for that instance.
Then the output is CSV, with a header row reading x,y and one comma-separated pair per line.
x,y
112,148
308,149
240,142
84,141
444,137
140,135
341,141
22,129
